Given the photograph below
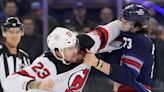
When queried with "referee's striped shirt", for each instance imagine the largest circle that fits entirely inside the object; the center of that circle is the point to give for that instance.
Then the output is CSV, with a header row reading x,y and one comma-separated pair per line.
x,y
10,63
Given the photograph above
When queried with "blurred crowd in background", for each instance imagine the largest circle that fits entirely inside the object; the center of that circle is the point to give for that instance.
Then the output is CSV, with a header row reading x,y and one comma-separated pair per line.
x,y
80,17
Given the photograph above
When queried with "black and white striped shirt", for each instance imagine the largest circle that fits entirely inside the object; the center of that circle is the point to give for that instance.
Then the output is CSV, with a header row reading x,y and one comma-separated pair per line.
x,y
10,63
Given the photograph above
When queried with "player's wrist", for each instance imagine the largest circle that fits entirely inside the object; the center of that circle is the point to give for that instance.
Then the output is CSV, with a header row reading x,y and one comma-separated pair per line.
x,y
33,84
100,64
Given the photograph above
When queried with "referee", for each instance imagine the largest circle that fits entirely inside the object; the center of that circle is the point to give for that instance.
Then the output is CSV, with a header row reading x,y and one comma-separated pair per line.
x,y
12,59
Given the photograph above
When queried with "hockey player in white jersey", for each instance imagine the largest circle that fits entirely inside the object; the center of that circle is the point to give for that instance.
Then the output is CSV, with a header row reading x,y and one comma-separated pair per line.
x,y
58,70
66,77
54,71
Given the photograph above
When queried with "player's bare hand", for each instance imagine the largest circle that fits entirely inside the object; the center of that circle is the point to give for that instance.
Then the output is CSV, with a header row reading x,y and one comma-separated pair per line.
x,y
90,58
47,85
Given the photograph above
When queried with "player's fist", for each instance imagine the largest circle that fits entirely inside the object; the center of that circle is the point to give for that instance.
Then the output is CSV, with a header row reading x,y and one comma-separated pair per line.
x,y
90,58
47,85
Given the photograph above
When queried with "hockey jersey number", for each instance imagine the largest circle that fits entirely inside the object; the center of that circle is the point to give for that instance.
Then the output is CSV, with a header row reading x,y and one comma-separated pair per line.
x,y
127,43
40,70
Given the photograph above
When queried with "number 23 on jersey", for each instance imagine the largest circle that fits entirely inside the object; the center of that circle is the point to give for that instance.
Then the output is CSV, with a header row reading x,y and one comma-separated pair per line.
x,y
40,70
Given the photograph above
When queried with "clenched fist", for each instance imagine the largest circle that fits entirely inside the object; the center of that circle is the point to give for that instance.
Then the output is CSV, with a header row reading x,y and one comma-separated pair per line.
x,y
90,58
47,85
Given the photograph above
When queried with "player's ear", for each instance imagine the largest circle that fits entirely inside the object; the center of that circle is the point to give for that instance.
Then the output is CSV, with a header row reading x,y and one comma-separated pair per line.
x,y
57,52
22,34
3,31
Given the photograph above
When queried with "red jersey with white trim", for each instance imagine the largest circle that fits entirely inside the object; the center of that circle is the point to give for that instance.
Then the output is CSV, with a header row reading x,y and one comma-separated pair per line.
x,y
104,35
67,78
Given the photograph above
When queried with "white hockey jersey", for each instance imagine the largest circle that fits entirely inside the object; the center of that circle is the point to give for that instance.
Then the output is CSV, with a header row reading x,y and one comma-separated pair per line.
x,y
71,79
67,78
104,36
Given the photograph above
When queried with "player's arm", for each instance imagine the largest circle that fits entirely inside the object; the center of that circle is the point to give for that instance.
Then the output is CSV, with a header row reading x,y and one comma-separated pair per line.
x,y
45,85
100,37
26,78
132,61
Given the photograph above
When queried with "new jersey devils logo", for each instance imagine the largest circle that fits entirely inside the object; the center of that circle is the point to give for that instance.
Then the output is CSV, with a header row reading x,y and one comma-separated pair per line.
x,y
77,80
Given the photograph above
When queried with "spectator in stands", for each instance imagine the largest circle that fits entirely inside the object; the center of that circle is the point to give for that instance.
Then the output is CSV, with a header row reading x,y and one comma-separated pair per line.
x,y
152,12
1,8
106,15
37,13
68,24
31,42
79,20
10,9
152,28
158,73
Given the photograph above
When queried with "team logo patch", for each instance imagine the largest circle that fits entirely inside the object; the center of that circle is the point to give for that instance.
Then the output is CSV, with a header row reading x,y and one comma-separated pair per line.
x,y
77,80
140,12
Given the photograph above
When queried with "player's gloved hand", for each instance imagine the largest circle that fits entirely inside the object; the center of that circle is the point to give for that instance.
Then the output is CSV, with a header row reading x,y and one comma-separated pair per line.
x,y
90,58
45,85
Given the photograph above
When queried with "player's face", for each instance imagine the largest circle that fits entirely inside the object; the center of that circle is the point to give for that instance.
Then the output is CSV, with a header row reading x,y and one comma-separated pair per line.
x,y
13,36
70,54
135,29
126,25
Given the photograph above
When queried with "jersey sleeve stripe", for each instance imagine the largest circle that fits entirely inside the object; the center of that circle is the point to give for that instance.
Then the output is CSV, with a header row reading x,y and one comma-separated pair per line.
x,y
131,62
136,72
133,58
134,55
99,34
25,73
105,34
